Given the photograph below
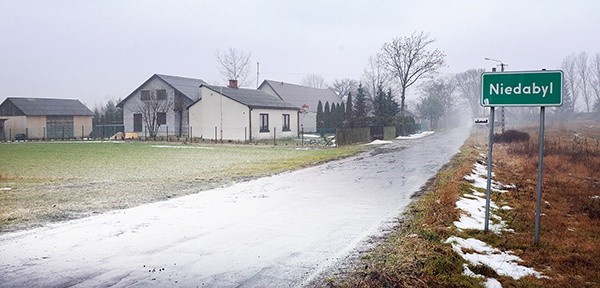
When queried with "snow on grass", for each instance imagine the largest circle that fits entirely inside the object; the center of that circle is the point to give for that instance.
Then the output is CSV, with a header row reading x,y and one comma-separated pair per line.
x,y
181,147
474,217
504,263
415,136
475,251
479,179
379,142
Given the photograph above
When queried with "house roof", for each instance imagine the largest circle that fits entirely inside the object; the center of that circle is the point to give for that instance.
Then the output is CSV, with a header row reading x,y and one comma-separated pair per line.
x,y
252,98
299,95
43,107
186,86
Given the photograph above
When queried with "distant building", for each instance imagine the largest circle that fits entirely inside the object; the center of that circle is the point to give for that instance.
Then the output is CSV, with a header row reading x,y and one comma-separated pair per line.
x,y
303,97
232,113
44,118
175,92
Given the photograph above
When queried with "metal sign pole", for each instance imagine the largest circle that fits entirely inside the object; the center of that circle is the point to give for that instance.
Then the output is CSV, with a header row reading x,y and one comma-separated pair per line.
x,y
489,171
539,180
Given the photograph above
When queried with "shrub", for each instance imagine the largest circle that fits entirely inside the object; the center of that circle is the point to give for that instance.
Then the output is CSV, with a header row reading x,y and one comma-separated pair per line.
x,y
510,136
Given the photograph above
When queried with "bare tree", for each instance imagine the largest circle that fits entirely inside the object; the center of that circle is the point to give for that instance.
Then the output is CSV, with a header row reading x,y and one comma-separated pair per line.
x,y
595,83
154,109
233,64
581,64
468,86
344,86
376,75
570,78
314,80
409,59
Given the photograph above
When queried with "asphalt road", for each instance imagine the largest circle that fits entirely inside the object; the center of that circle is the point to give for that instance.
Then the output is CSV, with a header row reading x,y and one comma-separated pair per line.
x,y
276,231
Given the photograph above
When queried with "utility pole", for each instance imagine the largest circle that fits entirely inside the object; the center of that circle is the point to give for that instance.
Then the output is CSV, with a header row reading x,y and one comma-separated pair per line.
x,y
502,65
257,73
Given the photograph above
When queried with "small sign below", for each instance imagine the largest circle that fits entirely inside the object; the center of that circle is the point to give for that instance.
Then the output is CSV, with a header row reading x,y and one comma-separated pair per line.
x,y
481,121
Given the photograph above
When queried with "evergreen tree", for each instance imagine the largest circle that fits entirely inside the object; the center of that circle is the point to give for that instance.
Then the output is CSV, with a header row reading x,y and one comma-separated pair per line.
x,y
385,108
360,108
342,116
327,116
320,117
349,111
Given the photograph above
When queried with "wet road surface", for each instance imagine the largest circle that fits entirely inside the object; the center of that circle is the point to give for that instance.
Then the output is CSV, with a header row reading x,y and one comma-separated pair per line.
x,y
276,231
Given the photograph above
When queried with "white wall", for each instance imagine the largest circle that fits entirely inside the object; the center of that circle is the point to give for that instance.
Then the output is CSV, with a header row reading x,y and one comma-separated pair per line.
x,y
275,124
214,110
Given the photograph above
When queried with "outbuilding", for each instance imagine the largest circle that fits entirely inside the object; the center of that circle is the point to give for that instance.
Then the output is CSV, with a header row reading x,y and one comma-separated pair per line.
x,y
44,118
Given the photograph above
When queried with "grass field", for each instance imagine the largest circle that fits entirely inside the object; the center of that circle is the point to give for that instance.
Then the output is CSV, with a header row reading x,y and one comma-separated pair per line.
x,y
54,181
414,253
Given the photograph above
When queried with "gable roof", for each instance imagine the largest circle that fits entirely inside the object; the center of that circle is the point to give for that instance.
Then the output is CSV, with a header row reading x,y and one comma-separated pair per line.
x,y
188,87
252,98
299,95
18,106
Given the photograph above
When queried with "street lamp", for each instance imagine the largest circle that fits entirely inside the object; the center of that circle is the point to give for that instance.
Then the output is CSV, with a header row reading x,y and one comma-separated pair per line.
x,y
502,65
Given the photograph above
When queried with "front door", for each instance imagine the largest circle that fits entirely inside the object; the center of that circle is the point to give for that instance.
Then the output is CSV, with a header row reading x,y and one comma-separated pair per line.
x,y
137,122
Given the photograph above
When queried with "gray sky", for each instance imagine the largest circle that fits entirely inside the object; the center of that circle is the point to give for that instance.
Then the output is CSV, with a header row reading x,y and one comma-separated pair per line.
x,y
100,50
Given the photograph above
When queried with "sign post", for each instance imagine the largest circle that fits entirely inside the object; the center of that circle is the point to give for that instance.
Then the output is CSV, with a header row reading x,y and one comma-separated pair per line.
x,y
521,89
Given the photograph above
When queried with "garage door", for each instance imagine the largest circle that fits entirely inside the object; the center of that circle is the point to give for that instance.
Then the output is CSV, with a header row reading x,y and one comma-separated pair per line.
x,y
59,127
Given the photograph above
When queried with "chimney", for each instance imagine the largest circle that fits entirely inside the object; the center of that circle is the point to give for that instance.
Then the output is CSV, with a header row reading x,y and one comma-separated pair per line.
x,y
233,84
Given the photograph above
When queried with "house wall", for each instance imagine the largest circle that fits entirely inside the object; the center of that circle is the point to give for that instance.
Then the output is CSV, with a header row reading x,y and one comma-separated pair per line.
x,y
80,122
214,110
130,107
275,124
309,122
14,125
36,127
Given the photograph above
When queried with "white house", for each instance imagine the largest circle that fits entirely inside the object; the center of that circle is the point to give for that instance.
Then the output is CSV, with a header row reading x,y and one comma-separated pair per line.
x,y
163,99
231,113
303,97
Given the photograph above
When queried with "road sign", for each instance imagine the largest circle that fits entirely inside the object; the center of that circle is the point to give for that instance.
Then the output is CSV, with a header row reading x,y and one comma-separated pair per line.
x,y
526,88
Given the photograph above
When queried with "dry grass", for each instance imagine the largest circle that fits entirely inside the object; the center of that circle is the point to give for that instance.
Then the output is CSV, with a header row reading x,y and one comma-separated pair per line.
x,y
413,255
569,251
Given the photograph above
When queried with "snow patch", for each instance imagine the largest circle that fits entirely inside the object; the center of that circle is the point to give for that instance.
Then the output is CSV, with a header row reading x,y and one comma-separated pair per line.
x,y
379,142
415,136
181,147
475,251
5,189
504,263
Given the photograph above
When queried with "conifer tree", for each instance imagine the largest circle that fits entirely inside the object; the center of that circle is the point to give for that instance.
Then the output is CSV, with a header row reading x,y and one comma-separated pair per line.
x,y
320,118
360,109
349,111
327,116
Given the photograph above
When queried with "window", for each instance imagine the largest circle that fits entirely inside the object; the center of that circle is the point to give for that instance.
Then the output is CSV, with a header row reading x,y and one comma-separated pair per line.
x,y
161,94
145,95
137,122
161,118
264,122
286,122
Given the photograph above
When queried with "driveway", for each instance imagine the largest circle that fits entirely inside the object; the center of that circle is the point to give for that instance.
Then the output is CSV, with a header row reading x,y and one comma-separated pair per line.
x,y
276,231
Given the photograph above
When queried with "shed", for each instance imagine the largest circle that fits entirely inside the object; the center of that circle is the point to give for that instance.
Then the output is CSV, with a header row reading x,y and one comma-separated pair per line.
x,y
44,118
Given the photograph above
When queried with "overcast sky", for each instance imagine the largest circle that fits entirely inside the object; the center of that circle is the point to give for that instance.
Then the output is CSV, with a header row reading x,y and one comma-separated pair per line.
x,y
100,50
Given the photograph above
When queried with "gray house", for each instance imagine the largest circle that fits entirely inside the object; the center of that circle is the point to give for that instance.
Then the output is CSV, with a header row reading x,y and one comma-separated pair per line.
x,y
303,97
160,102
44,118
